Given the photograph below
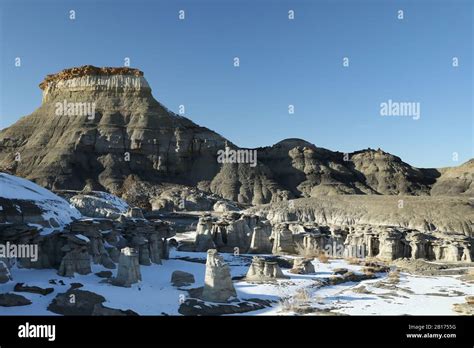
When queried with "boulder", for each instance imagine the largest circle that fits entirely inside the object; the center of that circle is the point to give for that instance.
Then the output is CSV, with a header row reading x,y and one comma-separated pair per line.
x,y
350,277
74,286
20,287
75,302
218,286
196,307
13,300
104,274
5,274
180,278
98,204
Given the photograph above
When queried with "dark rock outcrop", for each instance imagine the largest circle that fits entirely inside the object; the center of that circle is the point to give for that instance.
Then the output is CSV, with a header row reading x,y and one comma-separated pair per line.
x,y
13,300
101,310
75,302
455,180
181,278
20,287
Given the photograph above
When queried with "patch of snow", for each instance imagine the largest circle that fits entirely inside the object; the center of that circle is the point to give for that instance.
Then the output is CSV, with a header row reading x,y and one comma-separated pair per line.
x,y
117,202
98,203
54,207
82,237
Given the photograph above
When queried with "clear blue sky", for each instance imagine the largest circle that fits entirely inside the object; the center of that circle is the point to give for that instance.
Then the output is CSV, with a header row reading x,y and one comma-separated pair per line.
x,y
283,62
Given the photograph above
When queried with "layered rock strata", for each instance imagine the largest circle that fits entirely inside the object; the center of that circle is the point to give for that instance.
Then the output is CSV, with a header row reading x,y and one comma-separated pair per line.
x,y
385,242
102,128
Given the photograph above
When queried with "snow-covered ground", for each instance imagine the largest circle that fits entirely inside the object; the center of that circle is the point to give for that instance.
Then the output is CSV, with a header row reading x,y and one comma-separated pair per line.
x,y
54,208
155,295
414,295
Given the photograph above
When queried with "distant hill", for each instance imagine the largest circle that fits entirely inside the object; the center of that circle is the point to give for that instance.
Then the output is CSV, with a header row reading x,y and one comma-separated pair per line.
x,y
132,143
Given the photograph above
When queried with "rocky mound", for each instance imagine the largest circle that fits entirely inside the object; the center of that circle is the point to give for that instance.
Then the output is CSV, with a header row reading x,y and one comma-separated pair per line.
x,y
388,174
456,180
307,170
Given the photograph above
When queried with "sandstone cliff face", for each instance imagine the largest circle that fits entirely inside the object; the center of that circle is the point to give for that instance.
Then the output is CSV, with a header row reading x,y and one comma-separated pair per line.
x,y
442,214
101,128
